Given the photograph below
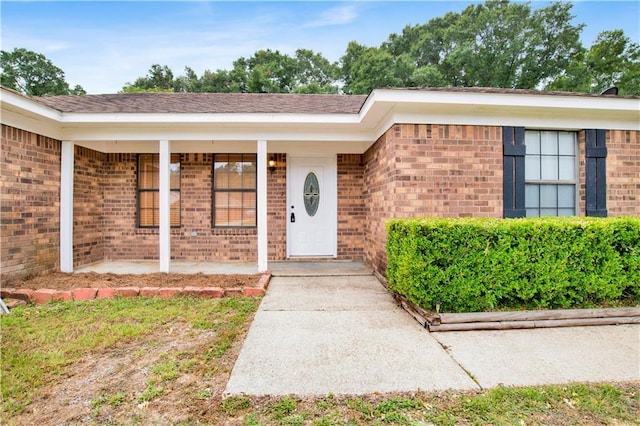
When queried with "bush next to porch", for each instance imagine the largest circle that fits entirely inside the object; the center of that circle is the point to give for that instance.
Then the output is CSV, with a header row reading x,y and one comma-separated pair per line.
x,y
474,265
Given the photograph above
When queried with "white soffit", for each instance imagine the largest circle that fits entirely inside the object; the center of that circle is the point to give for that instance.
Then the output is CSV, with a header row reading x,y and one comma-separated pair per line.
x,y
382,109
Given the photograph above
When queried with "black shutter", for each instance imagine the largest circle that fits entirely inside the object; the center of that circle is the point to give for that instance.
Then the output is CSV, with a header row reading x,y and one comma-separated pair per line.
x,y
513,168
596,171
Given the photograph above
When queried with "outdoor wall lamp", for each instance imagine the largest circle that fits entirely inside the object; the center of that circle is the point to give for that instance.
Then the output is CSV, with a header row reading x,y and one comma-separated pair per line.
x,y
272,165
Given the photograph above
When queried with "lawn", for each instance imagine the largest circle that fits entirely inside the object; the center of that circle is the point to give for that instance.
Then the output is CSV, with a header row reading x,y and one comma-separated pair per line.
x,y
158,361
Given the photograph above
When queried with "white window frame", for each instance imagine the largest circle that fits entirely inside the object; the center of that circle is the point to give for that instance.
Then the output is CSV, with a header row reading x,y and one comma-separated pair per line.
x,y
575,182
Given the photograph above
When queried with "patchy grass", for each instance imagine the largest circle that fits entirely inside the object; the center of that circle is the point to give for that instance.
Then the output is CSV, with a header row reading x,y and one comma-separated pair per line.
x,y
155,361
41,343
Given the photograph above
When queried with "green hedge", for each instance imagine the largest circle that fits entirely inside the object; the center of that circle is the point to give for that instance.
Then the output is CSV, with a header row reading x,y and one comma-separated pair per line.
x,y
474,265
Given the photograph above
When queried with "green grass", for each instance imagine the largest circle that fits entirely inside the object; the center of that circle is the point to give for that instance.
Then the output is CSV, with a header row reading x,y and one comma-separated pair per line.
x,y
41,343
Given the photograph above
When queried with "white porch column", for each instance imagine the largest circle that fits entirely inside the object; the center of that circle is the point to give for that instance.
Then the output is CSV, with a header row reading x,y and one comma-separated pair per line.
x,y
262,205
165,205
66,206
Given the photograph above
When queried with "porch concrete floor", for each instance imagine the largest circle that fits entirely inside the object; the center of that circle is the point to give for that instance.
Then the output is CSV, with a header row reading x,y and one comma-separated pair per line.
x,y
283,269
178,267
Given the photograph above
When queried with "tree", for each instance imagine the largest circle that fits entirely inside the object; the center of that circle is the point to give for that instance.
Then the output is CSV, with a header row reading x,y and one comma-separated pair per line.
x,y
612,60
159,79
377,68
33,74
314,73
495,44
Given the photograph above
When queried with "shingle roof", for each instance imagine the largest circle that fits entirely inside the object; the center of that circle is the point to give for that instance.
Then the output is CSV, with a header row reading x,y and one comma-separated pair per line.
x,y
269,103
500,90
206,103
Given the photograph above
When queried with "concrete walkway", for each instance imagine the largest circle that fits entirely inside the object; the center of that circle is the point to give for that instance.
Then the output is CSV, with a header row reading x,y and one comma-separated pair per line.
x,y
345,335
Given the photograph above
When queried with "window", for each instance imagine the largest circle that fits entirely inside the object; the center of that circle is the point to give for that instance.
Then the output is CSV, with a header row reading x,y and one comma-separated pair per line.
x,y
234,190
550,173
149,190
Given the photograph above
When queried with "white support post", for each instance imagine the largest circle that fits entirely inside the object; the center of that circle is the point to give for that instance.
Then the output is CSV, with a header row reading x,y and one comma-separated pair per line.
x,y
165,205
66,206
262,205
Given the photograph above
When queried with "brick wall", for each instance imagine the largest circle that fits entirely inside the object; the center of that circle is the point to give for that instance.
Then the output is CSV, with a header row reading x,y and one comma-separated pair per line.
x,y
351,208
30,197
623,173
431,170
195,240
277,209
379,198
88,219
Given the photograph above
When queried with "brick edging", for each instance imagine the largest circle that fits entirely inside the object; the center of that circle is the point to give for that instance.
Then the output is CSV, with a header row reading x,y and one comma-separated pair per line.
x,y
45,295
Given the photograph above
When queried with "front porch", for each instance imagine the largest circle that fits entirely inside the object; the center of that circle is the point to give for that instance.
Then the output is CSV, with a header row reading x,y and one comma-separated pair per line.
x,y
288,268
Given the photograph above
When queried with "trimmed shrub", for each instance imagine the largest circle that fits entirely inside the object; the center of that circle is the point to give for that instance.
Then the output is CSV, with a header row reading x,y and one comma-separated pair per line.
x,y
475,265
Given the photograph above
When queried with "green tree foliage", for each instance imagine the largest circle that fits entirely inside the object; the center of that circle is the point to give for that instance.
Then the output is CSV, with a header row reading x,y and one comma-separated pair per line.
x,y
498,43
159,79
612,60
495,44
33,74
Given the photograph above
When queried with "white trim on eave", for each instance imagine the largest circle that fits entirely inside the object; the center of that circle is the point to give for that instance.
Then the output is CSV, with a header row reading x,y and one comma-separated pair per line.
x,y
381,109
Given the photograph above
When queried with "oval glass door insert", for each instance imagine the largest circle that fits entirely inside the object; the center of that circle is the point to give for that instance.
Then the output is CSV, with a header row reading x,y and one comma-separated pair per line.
x,y
311,190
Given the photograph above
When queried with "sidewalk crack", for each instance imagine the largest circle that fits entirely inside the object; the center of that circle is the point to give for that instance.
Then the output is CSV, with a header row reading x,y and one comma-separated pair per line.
x,y
447,349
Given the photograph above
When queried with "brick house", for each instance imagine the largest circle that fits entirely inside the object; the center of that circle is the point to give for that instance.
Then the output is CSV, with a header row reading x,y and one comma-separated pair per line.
x,y
270,177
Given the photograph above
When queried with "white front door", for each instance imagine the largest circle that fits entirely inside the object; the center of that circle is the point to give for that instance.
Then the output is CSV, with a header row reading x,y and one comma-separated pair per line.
x,y
312,206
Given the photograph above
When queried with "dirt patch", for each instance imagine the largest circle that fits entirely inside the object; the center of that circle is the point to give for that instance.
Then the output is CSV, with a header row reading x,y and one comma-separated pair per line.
x,y
109,387
62,281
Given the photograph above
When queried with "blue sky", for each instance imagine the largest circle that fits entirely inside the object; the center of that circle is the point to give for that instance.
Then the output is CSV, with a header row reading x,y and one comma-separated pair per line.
x,y
103,45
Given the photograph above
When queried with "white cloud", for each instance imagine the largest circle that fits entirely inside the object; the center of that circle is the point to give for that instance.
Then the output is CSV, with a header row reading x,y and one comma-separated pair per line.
x,y
339,15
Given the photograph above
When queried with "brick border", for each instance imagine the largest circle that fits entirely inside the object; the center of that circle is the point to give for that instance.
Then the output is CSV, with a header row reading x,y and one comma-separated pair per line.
x,y
45,295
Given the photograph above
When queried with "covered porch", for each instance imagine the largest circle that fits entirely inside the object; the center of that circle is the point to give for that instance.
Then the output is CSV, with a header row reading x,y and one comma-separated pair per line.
x,y
281,268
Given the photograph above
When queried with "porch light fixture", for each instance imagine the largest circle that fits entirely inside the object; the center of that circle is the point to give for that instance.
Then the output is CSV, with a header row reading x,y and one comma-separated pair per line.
x,y
272,165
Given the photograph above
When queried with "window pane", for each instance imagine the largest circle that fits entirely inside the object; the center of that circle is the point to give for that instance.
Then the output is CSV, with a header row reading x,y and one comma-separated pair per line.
x,y
549,143
220,179
567,143
147,173
549,167
249,180
531,167
566,196
566,212
548,212
533,213
235,217
235,180
235,175
548,196
567,168
532,142
222,217
532,196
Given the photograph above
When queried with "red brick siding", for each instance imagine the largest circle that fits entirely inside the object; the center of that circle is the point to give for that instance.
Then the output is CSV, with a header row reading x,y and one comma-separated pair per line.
x,y
30,197
582,175
379,198
623,173
351,208
88,207
122,239
431,170
194,240
277,209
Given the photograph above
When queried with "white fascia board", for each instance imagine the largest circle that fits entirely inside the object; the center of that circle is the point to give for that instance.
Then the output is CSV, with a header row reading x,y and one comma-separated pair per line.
x,y
206,118
215,133
532,122
33,123
505,100
14,101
